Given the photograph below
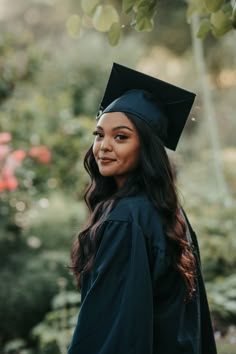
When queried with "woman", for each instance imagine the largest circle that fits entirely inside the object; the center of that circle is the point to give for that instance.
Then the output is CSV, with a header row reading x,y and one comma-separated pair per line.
x,y
137,260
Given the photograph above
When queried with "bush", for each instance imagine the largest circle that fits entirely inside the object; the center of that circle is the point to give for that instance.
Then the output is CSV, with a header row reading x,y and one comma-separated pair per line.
x,y
54,333
53,220
36,264
30,281
222,299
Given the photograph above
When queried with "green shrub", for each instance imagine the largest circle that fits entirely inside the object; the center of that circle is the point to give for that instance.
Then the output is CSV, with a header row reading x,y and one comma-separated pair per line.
x,y
55,331
36,264
222,298
30,282
17,346
54,220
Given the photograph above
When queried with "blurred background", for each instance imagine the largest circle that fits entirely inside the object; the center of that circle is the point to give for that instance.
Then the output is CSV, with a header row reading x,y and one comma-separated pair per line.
x,y
55,59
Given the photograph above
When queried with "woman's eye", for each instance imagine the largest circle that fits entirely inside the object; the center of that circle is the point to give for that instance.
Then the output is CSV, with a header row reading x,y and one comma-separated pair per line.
x,y
121,137
97,134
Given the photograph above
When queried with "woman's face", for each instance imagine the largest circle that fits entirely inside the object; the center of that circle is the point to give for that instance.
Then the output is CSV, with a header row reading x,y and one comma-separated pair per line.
x,y
116,146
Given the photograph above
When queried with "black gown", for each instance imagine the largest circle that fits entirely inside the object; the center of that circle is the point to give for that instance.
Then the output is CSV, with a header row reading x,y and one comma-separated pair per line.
x,y
133,300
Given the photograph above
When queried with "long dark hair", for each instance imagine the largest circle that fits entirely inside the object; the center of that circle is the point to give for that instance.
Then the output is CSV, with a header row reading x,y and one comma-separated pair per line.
x,y
154,177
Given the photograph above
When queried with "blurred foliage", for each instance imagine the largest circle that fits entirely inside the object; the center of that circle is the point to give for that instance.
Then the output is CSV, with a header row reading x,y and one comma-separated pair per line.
x,y
216,226
226,344
54,333
17,346
53,69
44,245
219,16
28,290
56,215
222,297
16,68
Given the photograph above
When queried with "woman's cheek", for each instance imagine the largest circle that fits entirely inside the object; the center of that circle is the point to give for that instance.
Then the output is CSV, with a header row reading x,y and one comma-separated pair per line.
x,y
95,149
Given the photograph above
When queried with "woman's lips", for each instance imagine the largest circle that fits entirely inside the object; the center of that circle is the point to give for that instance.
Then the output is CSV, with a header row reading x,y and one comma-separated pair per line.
x,y
106,160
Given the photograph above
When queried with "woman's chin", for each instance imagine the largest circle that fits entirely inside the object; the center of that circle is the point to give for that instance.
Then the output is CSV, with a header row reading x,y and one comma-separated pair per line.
x,y
105,173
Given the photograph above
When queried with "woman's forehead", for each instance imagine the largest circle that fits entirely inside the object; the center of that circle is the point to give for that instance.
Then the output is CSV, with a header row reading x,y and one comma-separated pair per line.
x,y
112,120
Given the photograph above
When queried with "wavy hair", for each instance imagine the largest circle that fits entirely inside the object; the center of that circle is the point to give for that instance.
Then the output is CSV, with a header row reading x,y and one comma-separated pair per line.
x,y
153,176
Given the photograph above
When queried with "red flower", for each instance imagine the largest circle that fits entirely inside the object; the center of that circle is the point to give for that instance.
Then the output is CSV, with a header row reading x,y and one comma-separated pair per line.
x,y
41,153
11,183
19,155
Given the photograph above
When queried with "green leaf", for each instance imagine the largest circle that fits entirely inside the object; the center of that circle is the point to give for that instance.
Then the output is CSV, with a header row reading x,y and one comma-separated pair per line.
x,y
146,8
227,8
218,32
114,34
127,5
89,6
144,24
192,8
73,25
142,3
196,6
221,21
213,5
205,27
14,345
104,17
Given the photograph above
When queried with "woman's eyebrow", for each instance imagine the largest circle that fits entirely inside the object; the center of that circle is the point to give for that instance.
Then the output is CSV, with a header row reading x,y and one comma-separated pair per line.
x,y
116,128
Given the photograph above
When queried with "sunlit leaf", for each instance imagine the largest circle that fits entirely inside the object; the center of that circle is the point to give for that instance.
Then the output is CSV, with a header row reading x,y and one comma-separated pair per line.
x,y
227,8
114,34
218,32
213,5
127,5
192,8
73,25
144,24
89,6
196,6
14,345
139,4
221,22
104,17
205,27
142,3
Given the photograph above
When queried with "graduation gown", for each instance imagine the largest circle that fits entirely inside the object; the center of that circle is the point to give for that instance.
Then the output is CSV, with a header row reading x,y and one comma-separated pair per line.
x,y
132,300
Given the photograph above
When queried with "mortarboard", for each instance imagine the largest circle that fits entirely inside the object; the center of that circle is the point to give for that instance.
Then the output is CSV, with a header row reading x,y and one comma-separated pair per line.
x,y
163,106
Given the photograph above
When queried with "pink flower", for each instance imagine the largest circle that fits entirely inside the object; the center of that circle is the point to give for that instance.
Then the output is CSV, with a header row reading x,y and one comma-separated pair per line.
x,y
41,153
5,137
11,183
19,155
4,150
10,166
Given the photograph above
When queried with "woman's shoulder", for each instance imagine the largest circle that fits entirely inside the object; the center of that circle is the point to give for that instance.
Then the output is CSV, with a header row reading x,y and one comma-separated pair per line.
x,y
141,215
124,207
137,209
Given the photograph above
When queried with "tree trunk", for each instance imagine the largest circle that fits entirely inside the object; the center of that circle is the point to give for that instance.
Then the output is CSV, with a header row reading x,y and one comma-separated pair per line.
x,y
209,112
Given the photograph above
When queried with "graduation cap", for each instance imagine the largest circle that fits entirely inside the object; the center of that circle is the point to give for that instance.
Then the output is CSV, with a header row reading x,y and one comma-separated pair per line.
x,y
164,107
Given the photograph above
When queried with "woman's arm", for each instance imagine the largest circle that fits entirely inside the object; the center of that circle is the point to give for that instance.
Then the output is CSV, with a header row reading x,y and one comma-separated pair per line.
x,y
116,315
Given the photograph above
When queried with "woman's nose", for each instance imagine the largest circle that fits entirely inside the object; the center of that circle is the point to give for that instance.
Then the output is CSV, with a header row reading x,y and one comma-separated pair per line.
x,y
106,145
